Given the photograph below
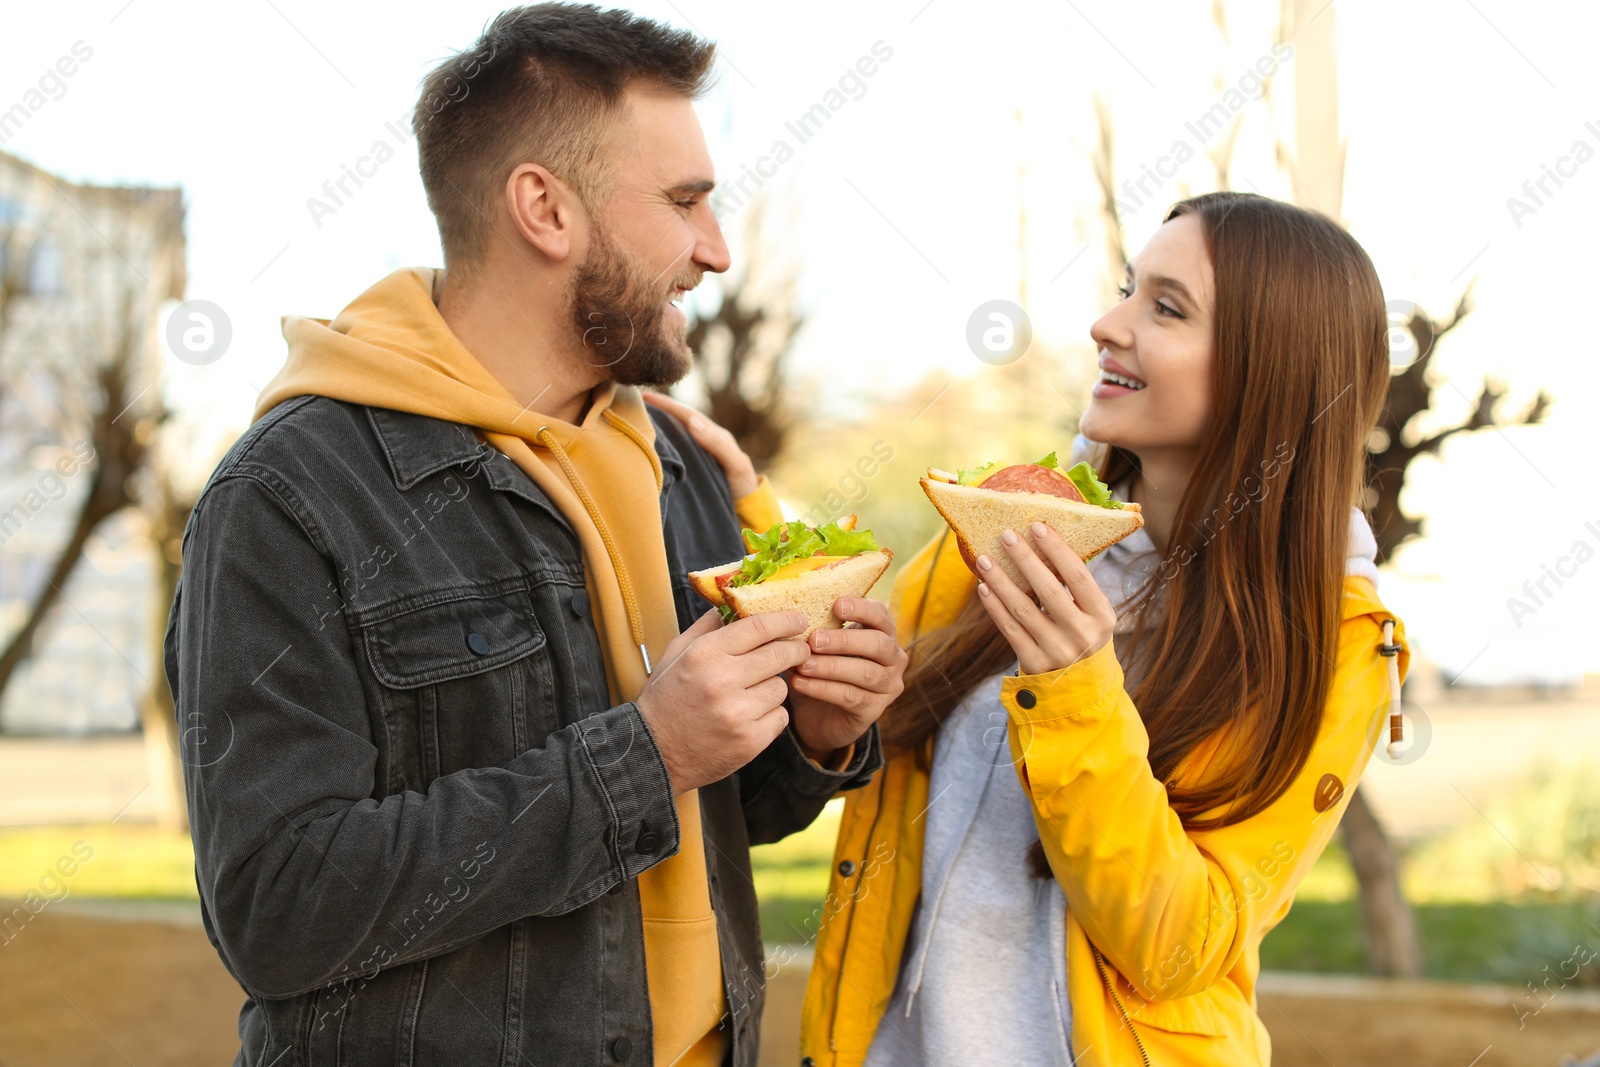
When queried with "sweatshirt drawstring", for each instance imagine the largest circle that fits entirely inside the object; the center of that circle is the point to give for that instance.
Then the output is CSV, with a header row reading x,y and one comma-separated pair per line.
x,y
629,599
1397,725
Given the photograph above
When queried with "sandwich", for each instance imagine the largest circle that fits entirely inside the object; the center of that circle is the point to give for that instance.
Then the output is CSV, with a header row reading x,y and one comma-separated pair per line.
x,y
980,502
796,567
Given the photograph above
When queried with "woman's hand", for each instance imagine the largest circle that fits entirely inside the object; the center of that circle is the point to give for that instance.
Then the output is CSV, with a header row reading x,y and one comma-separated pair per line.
x,y
1076,620
852,675
722,445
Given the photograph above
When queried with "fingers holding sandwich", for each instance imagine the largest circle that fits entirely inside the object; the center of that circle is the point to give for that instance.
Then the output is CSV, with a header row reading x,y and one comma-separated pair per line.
x,y
716,699
1076,620
853,675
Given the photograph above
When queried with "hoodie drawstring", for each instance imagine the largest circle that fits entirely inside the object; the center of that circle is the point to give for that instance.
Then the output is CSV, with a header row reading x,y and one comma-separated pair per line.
x,y
627,429
629,599
1397,724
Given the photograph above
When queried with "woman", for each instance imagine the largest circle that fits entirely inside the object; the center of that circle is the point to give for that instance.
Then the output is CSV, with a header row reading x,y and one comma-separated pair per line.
x,y
1097,806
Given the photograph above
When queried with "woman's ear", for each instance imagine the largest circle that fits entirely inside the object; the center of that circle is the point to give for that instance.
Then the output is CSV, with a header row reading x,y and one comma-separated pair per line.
x,y
543,209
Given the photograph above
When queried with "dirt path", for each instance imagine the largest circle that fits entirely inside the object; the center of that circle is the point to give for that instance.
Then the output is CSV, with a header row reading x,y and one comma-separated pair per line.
x,y
89,992
81,992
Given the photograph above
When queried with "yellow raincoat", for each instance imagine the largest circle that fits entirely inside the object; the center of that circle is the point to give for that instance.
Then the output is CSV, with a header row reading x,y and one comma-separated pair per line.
x,y
1164,926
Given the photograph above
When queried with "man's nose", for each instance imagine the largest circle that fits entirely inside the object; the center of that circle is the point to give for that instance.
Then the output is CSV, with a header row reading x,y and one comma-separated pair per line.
x,y
711,250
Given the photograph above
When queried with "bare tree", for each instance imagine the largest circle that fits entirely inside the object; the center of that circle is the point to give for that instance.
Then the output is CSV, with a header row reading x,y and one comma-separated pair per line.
x,y
119,448
1398,441
88,344
167,507
742,349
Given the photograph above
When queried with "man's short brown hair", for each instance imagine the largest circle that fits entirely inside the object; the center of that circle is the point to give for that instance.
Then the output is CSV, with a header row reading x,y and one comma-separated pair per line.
x,y
538,87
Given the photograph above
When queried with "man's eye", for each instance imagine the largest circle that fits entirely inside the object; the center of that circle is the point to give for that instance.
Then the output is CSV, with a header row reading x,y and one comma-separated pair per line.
x,y
688,202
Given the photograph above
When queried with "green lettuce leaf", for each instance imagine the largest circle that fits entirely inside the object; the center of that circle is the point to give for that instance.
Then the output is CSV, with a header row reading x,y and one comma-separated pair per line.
x,y
786,542
1048,461
974,475
1089,484
837,542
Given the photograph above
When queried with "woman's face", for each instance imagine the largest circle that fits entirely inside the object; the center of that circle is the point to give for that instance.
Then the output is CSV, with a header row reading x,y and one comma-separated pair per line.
x,y
1154,391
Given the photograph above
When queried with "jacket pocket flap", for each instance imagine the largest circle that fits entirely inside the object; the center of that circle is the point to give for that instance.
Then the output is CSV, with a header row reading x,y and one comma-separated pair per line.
x,y
1197,1014
453,639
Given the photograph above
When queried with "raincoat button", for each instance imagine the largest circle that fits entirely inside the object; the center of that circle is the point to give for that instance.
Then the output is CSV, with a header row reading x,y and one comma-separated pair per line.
x,y
847,867
478,643
1026,699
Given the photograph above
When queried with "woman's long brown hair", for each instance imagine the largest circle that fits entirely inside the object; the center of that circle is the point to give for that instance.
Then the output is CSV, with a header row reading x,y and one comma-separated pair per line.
x,y
1243,611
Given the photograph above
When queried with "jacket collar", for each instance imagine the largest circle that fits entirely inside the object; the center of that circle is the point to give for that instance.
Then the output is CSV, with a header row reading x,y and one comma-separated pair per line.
x,y
672,465
416,446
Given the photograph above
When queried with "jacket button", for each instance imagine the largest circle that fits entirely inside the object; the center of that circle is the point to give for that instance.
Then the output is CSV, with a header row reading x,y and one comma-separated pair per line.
x,y
847,867
579,603
478,643
1026,699
807,1061
621,1049
648,842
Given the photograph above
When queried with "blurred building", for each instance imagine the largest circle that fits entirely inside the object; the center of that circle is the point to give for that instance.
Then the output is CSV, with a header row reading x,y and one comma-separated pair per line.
x,y
85,272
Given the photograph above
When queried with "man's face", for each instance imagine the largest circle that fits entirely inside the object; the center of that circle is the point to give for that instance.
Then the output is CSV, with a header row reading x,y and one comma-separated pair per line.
x,y
651,240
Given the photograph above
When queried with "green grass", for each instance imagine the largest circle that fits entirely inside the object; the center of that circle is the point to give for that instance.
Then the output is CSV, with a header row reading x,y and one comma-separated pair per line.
x,y
126,860
1499,941
1479,941
1509,941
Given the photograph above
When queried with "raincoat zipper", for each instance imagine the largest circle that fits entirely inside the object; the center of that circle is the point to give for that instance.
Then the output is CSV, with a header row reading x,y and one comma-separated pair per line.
x,y
1118,1001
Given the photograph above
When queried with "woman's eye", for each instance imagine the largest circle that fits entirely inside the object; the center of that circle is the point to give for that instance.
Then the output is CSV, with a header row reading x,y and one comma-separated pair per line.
x,y
1125,291
1163,308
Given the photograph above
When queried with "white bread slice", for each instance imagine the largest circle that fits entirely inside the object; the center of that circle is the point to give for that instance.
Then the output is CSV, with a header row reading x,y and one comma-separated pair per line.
x,y
705,582
977,516
813,592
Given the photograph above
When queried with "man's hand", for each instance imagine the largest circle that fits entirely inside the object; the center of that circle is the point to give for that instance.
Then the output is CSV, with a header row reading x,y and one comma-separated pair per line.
x,y
715,700
854,674
723,446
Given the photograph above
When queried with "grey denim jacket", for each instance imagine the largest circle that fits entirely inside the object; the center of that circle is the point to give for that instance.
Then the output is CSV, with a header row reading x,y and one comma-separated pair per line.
x,y
417,818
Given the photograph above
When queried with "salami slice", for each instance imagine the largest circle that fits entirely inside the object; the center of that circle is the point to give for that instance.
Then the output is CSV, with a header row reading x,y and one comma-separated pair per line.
x,y
1032,478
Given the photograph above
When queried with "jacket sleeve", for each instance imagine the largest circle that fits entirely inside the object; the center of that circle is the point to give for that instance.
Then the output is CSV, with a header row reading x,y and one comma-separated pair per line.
x,y
783,792
1173,910
305,876
759,509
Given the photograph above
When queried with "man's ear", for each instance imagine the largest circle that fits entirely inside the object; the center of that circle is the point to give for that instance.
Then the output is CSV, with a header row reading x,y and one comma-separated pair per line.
x,y
543,209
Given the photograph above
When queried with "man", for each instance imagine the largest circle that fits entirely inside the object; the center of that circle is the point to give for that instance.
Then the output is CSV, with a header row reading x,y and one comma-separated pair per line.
x,y
461,791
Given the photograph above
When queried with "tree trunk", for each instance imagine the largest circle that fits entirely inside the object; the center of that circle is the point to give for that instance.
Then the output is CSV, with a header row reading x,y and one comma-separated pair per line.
x,y
90,517
1393,947
168,513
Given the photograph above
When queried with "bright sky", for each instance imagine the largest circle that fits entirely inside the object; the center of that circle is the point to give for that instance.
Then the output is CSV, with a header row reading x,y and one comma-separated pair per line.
x,y
907,204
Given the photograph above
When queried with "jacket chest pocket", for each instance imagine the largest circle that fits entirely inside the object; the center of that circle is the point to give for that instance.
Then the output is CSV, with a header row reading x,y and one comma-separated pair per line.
x,y
465,682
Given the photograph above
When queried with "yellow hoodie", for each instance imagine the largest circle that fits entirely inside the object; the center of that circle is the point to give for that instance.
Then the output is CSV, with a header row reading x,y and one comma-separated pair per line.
x,y
1164,926
390,348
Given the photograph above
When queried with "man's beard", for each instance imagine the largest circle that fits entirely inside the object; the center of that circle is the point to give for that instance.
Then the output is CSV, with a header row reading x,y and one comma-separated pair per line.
x,y
621,318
